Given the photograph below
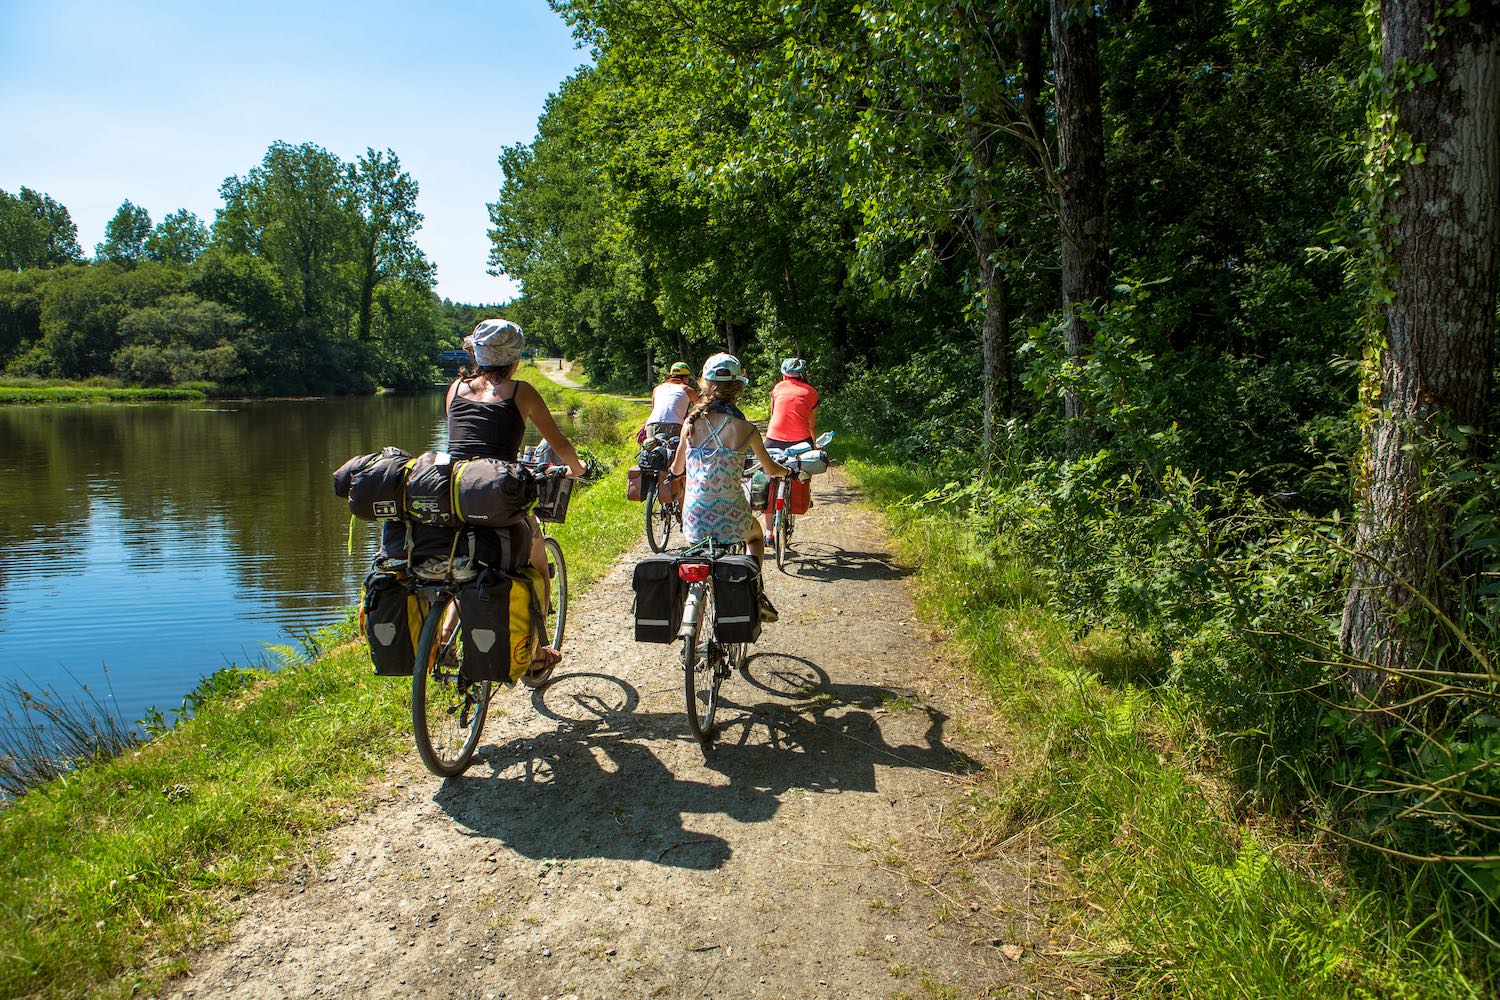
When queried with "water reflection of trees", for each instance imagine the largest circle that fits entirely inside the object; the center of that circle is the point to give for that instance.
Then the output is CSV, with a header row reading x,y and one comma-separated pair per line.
x,y
251,476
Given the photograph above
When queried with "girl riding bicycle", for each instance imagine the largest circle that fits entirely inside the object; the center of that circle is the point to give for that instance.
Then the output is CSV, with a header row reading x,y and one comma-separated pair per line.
x,y
488,408
715,440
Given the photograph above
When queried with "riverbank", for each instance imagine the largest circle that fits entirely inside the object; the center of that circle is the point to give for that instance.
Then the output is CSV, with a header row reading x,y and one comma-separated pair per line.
x,y
1172,878
19,390
111,872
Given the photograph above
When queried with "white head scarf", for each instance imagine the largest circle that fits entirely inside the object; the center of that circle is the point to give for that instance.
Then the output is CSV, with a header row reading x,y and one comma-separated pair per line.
x,y
496,343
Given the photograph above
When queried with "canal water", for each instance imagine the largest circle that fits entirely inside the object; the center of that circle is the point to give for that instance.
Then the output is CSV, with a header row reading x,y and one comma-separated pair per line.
x,y
143,546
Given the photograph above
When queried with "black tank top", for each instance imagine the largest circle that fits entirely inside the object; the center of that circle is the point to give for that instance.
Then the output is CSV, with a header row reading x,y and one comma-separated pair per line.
x,y
485,430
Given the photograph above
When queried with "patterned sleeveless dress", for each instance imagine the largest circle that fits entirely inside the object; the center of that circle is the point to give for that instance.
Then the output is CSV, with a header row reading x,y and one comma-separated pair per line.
x,y
715,505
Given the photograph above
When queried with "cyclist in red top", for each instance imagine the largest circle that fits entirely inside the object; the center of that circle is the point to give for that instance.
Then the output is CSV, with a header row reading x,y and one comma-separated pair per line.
x,y
794,415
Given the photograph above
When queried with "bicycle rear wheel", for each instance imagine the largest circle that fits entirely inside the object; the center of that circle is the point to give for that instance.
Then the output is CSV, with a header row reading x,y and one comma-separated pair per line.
x,y
447,709
557,613
700,668
658,522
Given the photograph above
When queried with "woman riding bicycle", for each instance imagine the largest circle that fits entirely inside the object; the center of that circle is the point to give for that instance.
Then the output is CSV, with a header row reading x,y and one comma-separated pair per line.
x,y
715,439
670,402
794,415
488,409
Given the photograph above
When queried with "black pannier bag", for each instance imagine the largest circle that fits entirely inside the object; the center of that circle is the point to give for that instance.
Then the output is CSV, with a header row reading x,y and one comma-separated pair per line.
x,y
391,624
507,549
736,598
396,544
372,483
429,490
438,553
492,491
659,594
501,623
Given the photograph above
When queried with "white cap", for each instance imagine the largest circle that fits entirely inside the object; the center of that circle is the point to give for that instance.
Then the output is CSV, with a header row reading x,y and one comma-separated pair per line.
x,y
496,343
724,368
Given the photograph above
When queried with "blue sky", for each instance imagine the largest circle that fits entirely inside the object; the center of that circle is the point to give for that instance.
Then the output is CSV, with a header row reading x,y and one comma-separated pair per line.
x,y
159,102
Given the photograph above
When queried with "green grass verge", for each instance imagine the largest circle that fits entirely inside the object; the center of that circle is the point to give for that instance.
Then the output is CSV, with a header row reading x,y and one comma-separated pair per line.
x,y
91,394
1180,888
110,874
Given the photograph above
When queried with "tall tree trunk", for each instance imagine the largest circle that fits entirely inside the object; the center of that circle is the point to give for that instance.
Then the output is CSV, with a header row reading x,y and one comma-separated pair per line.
x,y
1437,354
1029,41
980,103
367,283
1080,148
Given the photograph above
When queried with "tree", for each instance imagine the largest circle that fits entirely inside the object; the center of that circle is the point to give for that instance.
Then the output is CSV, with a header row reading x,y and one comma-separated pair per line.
x,y
36,231
386,204
1080,168
125,235
294,211
1437,184
180,238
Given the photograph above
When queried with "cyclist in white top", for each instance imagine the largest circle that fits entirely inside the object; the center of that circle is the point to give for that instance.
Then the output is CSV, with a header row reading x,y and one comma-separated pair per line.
x,y
670,402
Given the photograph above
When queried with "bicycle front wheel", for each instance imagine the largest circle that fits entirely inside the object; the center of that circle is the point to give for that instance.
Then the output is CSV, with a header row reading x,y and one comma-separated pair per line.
x,y
700,675
447,709
557,610
783,527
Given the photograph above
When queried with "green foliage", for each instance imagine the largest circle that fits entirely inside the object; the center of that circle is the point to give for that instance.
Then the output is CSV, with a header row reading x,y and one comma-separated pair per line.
x,y
35,231
125,236
180,238
1118,759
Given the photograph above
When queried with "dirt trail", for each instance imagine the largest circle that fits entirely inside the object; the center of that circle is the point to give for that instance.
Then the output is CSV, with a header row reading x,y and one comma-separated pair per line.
x,y
593,852
562,376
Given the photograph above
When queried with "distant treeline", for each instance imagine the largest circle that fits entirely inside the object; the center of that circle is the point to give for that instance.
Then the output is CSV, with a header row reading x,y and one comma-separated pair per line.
x,y
309,280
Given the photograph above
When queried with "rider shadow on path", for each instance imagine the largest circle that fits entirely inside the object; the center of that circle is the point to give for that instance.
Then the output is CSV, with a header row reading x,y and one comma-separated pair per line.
x,y
596,787
823,561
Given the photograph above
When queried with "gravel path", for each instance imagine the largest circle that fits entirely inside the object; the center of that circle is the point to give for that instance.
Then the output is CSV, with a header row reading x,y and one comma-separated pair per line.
x,y
593,851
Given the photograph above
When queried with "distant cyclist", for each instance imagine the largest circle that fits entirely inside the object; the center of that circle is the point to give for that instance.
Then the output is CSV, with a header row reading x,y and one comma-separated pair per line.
x,y
670,402
794,416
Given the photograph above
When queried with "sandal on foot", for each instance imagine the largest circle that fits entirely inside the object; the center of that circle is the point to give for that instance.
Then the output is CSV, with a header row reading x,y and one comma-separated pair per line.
x,y
543,663
768,612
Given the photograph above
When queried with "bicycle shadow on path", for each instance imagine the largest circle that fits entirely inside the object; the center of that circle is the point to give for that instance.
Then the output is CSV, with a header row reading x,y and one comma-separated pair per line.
x,y
615,781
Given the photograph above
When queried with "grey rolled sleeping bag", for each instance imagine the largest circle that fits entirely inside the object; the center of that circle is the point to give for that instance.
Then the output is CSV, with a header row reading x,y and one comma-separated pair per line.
x,y
492,491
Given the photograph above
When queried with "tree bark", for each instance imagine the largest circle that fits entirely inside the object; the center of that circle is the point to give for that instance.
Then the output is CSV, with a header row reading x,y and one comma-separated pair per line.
x,y
1082,206
1029,41
1437,354
979,103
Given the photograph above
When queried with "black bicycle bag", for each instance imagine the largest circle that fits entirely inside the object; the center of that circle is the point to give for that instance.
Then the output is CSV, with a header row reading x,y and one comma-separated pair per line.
x,y
372,483
659,596
737,587
429,490
502,624
392,622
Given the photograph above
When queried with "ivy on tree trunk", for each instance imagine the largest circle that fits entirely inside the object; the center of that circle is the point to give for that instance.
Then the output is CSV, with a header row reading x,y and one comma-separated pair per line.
x,y
1434,350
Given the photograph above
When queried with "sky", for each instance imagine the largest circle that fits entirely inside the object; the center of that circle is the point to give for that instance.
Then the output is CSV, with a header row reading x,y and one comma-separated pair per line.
x,y
159,102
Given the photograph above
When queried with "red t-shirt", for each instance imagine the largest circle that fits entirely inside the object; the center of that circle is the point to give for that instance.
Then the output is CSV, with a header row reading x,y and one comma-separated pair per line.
x,y
791,417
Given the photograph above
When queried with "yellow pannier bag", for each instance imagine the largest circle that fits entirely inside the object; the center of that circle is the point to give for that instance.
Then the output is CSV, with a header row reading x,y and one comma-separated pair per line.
x,y
503,623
